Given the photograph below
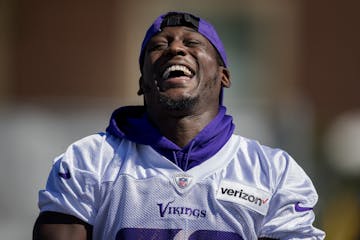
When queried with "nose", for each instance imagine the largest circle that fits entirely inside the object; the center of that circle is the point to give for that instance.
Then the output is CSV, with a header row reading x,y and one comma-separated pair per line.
x,y
177,48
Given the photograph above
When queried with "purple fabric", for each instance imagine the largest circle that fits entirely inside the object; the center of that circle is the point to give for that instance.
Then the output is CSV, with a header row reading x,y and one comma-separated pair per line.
x,y
146,233
205,28
131,122
168,234
299,208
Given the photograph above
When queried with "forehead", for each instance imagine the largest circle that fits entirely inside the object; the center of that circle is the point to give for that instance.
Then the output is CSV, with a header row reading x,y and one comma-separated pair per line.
x,y
179,31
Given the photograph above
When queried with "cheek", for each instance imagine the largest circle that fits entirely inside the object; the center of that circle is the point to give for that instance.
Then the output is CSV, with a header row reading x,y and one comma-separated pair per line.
x,y
208,59
150,58
154,57
148,68
209,71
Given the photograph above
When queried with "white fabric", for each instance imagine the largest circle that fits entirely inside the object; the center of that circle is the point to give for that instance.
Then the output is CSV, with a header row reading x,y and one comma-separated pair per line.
x,y
116,184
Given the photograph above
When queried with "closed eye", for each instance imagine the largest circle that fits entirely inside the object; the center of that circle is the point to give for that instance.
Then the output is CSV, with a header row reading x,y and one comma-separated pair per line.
x,y
157,46
192,43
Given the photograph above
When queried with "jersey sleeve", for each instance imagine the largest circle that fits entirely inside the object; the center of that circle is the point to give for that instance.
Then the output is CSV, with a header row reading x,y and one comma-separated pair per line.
x,y
73,184
291,214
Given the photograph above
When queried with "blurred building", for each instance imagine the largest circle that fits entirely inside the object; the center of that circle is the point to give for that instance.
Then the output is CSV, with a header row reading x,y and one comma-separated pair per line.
x,y
65,65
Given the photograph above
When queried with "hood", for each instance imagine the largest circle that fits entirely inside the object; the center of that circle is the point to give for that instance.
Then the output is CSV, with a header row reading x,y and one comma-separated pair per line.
x,y
131,122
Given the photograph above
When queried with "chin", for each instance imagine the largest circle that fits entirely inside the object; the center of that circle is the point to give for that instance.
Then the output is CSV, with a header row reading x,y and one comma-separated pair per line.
x,y
178,104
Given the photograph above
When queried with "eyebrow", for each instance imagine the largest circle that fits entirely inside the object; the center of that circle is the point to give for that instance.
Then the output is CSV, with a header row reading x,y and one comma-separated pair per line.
x,y
191,30
187,30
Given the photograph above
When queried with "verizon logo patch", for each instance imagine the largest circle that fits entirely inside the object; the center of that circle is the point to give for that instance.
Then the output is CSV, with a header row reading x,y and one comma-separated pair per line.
x,y
250,197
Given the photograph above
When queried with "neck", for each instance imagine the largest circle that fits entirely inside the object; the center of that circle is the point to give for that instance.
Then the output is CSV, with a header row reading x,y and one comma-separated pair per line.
x,y
181,129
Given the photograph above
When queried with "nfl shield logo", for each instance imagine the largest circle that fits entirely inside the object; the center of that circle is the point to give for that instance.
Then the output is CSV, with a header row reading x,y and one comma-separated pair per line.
x,y
182,180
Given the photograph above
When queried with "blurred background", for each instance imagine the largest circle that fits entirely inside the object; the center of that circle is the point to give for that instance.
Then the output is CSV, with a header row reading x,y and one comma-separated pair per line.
x,y
295,66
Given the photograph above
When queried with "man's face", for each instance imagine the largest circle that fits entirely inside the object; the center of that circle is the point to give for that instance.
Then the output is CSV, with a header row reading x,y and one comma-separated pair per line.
x,y
181,70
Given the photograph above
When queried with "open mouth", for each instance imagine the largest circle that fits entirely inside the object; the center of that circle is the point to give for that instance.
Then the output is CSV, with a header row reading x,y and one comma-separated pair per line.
x,y
175,71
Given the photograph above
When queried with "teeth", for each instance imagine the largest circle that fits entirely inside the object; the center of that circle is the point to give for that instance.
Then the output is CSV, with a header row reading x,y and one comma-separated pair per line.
x,y
172,68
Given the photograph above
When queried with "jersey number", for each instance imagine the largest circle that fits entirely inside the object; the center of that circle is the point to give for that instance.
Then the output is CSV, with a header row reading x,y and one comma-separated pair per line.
x,y
173,234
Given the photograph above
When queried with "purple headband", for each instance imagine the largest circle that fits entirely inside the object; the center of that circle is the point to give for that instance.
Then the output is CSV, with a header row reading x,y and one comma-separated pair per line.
x,y
184,19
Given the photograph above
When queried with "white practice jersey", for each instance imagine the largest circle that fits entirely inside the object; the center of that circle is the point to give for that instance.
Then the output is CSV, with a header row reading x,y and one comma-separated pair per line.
x,y
129,191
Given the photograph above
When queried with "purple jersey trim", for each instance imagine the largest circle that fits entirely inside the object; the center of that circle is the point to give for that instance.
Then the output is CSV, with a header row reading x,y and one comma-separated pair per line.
x,y
131,122
299,208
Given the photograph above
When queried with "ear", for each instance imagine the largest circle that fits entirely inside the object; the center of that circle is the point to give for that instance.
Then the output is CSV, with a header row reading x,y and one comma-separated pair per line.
x,y
140,91
225,77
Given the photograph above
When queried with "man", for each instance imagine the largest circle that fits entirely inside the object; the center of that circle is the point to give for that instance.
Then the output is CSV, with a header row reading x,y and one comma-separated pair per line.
x,y
173,169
